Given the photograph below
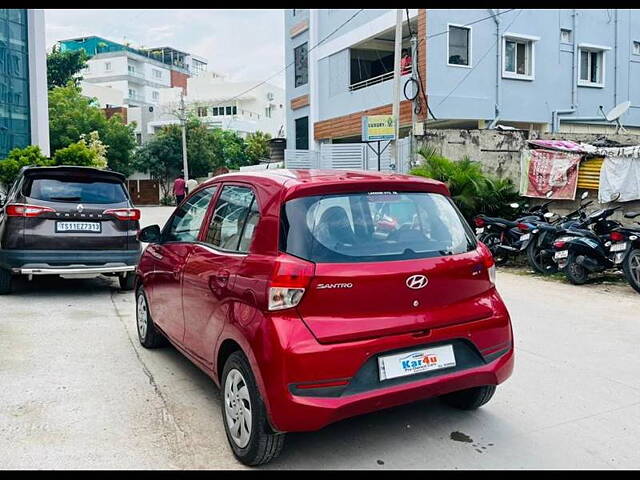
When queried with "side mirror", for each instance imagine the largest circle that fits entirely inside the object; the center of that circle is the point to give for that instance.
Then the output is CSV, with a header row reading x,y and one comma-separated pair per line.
x,y
584,195
150,234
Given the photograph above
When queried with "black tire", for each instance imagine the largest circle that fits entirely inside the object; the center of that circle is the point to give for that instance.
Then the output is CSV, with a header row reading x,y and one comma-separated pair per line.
x,y
577,274
127,282
631,269
492,240
471,398
263,444
5,281
149,336
537,262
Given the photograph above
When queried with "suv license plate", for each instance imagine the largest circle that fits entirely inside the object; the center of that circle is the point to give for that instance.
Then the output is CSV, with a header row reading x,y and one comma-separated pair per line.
x,y
561,254
90,227
618,247
418,361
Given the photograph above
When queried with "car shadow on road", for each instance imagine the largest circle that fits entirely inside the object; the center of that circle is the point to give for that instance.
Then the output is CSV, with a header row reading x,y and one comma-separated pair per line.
x,y
54,286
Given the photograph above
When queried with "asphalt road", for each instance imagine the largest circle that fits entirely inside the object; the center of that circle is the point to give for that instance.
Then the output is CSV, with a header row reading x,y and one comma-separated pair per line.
x,y
77,391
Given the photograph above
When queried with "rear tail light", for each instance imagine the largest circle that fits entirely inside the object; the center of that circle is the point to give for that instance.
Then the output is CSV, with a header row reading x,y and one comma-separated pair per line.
x,y
523,226
479,222
124,213
28,211
559,244
616,237
488,262
290,278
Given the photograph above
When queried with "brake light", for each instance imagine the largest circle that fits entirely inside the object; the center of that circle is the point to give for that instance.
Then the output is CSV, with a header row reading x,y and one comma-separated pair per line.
x,y
479,222
559,244
123,213
616,237
488,262
27,211
523,226
290,278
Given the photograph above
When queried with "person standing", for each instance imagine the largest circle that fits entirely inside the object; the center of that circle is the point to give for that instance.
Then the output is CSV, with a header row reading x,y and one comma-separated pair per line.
x,y
405,62
179,189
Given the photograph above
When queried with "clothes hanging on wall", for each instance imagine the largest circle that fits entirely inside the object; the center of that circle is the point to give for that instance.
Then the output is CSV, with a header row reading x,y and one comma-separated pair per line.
x,y
619,174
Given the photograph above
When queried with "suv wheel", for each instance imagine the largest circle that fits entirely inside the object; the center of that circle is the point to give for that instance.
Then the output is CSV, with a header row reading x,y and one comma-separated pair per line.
x,y
244,415
127,281
471,398
5,281
148,334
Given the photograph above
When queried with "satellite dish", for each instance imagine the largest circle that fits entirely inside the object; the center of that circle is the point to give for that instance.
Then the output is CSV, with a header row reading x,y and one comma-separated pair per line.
x,y
615,113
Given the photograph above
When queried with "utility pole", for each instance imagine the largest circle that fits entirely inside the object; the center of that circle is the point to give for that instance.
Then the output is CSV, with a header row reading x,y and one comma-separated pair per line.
x,y
183,123
395,111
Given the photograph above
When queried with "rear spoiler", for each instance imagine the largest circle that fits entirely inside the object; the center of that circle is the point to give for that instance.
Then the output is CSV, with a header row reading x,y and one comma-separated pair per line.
x,y
71,170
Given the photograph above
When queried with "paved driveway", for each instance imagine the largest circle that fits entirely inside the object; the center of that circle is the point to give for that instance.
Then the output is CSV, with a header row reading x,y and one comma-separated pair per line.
x,y
77,391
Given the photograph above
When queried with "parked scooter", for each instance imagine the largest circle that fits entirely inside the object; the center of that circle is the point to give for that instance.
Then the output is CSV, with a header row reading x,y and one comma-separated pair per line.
x,y
625,246
538,239
582,251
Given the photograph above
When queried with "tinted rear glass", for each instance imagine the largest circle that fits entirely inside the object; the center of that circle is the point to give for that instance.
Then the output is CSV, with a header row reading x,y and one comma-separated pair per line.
x,y
364,227
75,190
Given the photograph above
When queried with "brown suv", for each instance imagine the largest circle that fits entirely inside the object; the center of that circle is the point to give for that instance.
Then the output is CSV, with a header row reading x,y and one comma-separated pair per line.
x,y
76,222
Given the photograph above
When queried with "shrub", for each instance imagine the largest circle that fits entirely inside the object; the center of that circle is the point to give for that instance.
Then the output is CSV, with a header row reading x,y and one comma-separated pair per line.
x,y
18,158
472,190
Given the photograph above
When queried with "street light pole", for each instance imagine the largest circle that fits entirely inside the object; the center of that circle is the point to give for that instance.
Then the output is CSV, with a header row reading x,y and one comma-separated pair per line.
x,y
183,123
395,110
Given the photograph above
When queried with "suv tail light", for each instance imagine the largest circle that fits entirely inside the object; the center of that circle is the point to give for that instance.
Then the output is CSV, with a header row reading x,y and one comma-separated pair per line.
x,y
28,211
616,237
124,213
290,278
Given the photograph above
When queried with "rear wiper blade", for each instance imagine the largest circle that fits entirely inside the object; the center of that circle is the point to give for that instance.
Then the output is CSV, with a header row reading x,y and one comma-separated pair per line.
x,y
66,199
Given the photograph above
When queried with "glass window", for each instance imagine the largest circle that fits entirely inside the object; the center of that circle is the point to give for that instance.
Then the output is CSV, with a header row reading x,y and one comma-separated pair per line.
x,y
364,227
51,189
185,224
235,110
300,65
156,96
518,57
636,48
107,66
459,45
228,110
302,133
591,67
234,219
565,35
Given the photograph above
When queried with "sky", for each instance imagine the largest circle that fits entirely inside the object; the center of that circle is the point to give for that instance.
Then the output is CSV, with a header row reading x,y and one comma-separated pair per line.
x,y
244,44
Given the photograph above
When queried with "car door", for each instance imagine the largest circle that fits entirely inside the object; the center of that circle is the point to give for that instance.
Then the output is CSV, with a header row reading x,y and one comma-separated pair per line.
x,y
210,271
169,257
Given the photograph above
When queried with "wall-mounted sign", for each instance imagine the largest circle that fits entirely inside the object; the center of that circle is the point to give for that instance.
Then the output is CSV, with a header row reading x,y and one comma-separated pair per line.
x,y
378,127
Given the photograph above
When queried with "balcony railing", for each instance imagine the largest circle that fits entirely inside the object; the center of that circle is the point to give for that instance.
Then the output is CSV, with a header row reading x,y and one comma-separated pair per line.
x,y
371,81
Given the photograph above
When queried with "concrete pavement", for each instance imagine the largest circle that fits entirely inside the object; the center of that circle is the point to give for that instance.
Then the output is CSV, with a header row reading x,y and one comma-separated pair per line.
x,y
77,390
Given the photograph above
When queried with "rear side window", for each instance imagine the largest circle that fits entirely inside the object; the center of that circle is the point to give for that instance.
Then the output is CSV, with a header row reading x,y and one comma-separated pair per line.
x,y
234,219
370,227
76,190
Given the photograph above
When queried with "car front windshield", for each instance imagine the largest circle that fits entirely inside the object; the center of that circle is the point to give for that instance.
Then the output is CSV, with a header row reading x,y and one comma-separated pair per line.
x,y
373,226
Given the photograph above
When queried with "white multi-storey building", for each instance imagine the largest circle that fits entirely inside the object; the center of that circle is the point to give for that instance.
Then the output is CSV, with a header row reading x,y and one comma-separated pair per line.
x,y
230,105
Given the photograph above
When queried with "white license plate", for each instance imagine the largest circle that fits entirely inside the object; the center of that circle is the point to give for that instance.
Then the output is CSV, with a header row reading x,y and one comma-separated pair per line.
x,y
561,254
418,361
524,237
92,227
618,247
480,230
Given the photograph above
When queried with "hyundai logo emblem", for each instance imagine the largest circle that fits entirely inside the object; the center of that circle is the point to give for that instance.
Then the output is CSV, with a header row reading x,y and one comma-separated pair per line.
x,y
417,281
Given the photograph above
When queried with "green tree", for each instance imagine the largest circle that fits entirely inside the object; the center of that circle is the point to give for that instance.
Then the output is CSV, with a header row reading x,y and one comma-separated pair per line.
x,y
18,158
89,151
229,149
63,67
258,147
71,115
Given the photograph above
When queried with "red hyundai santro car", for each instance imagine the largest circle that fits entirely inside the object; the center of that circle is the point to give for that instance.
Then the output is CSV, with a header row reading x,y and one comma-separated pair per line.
x,y
291,291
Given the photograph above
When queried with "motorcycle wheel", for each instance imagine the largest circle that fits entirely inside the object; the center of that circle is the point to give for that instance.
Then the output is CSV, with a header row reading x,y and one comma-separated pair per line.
x,y
538,262
631,268
492,240
577,274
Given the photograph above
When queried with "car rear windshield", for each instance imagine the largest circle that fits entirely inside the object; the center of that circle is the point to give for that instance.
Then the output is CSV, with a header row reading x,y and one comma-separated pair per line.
x,y
76,190
373,226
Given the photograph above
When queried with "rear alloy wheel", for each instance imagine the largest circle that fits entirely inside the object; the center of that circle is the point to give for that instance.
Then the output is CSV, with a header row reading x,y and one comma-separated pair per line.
x,y
471,398
576,273
127,281
631,268
244,415
492,240
5,281
538,262
148,334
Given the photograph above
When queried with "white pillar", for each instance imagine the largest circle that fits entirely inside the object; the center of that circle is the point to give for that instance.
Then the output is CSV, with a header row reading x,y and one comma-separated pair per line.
x,y
38,101
312,60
